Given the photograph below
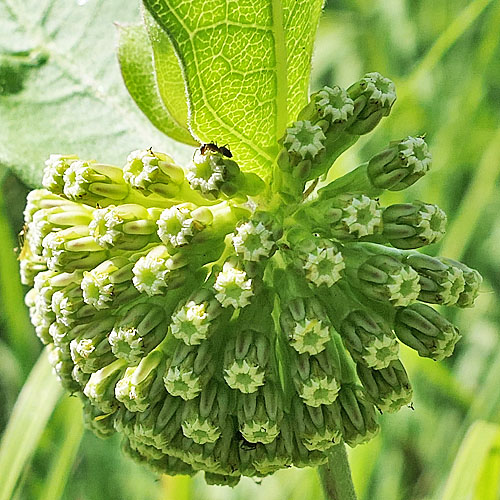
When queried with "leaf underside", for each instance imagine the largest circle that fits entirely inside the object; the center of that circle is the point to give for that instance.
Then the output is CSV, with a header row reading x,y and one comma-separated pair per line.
x,y
61,89
137,67
246,64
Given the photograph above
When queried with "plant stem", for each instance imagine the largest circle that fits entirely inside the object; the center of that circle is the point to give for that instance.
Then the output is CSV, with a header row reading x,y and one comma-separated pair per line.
x,y
336,476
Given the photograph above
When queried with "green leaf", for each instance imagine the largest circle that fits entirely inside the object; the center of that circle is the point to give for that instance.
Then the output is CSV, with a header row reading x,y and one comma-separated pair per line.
x,y
481,440
136,63
61,89
169,77
246,65
31,413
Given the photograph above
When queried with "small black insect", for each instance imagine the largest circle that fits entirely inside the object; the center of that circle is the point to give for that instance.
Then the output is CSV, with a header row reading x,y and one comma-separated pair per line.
x,y
211,146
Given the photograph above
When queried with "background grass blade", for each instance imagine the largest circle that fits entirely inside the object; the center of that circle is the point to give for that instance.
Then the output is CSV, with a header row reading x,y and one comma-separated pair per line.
x,y
479,440
31,412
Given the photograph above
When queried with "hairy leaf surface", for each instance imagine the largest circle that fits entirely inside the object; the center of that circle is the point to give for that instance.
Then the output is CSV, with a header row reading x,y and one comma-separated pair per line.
x,y
60,86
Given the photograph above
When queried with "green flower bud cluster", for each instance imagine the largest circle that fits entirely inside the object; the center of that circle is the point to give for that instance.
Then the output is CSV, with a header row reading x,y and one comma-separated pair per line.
x,y
223,325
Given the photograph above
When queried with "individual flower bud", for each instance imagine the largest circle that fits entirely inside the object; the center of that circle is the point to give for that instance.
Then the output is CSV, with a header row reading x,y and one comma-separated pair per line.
x,y
72,248
100,424
30,266
101,386
318,388
384,278
41,199
91,351
271,458
472,279
53,174
233,287
413,225
68,304
62,367
158,270
256,425
425,330
142,386
389,388
319,428
178,225
321,260
347,217
358,415
213,174
368,339
127,227
330,104
200,430
440,283
93,182
304,140
191,368
138,331
153,173
193,321
49,220
373,98
107,281
306,325
401,165
244,376
252,241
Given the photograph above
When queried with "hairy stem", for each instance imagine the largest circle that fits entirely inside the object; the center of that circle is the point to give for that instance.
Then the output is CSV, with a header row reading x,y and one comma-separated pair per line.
x,y
336,476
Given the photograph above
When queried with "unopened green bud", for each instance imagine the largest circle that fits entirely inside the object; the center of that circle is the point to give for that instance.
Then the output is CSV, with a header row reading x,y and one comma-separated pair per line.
x,y
304,140
141,386
99,423
306,326
413,225
153,173
49,220
319,428
68,304
318,389
200,430
93,182
178,225
233,287
213,175
473,282
368,339
385,278
158,270
91,351
101,386
252,241
373,98
425,330
347,217
106,282
72,248
401,165
127,227
358,415
389,388
330,104
193,321
62,367
440,283
138,331
53,174
321,260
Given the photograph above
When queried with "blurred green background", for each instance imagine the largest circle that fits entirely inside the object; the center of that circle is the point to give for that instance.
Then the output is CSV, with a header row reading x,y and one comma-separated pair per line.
x,y
444,56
